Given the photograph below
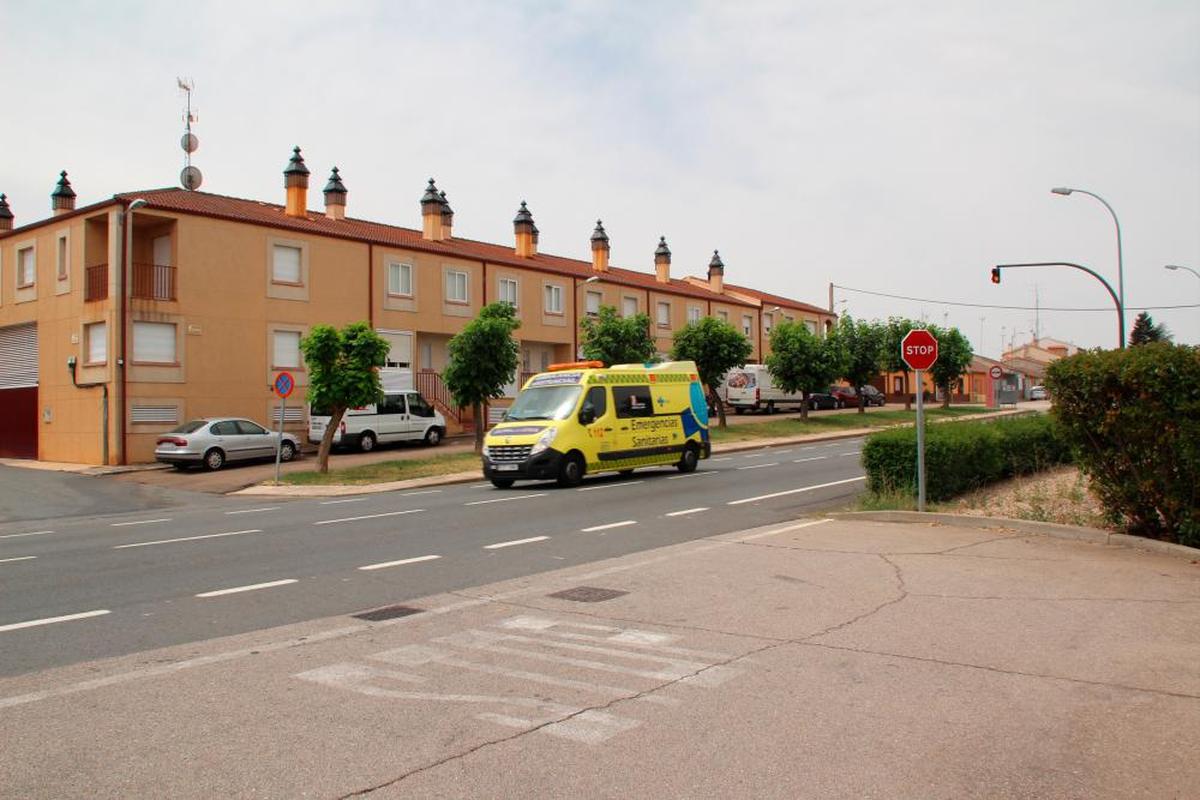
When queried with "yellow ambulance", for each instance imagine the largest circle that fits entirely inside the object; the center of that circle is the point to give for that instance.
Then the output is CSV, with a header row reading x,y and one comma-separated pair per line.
x,y
582,417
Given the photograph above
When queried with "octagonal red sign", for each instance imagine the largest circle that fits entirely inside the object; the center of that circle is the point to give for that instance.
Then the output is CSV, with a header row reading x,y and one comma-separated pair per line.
x,y
919,349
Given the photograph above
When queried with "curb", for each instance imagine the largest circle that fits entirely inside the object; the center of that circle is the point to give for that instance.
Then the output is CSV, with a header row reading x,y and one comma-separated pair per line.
x,y
1051,529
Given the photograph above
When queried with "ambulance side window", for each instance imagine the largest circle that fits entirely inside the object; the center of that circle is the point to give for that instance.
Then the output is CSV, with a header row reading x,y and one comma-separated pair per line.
x,y
597,401
632,401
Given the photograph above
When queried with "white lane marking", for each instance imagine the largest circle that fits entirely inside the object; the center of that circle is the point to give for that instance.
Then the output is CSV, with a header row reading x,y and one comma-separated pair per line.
x,y
620,524
402,561
696,474
777,531
505,499
782,452
759,454
17,558
810,458
254,510
370,516
724,458
514,542
480,486
18,535
427,491
686,511
347,500
760,466
852,453
186,539
33,623
252,587
608,486
795,491
138,522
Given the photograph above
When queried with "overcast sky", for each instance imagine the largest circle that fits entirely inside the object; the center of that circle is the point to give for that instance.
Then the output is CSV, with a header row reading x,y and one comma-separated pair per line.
x,y
901,148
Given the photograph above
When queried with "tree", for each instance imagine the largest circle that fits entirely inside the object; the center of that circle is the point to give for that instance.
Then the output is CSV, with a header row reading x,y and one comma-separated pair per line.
x,y
342,373
616,340
482,361
1145,331
716,347
800,362
863,346
897,328
954,358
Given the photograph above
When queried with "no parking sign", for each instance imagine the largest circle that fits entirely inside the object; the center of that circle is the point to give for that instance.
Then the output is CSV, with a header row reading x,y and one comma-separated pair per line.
x,y
284,384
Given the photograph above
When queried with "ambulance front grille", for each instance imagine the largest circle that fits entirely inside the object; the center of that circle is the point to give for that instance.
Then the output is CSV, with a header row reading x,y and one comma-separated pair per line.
x,y
510,452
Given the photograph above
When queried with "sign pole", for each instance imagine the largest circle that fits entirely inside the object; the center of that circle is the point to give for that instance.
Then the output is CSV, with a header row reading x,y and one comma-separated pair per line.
x,y
279,444
920,442
283,386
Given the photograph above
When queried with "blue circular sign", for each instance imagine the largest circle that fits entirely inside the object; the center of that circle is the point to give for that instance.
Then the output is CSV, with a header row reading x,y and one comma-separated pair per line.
x,y
284,383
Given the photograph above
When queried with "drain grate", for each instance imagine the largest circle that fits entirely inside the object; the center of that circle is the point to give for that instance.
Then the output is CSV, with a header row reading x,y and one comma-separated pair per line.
x,y
387,612
587,594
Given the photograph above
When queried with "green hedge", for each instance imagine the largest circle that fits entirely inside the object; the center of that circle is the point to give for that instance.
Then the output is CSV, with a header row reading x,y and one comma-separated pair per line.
x,y
1133,419
961,456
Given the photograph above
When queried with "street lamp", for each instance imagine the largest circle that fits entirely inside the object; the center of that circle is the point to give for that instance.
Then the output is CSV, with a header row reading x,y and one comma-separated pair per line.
x,y
1116,301
1177,266
1064,190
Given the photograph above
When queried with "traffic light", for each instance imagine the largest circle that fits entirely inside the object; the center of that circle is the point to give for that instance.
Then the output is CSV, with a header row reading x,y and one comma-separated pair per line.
x,y
995,274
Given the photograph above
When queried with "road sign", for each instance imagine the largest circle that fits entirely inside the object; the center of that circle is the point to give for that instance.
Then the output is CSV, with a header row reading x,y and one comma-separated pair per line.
x,y
996,372
919,349
284,384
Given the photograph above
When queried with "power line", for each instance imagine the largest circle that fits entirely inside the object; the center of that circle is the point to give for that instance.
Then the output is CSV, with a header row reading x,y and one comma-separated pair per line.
x,y
1010,308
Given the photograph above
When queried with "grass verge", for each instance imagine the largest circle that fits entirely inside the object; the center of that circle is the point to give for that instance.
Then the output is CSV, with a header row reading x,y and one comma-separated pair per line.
x,y
386,471
792,425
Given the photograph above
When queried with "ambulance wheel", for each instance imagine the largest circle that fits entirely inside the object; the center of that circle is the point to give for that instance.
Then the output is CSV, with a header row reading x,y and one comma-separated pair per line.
x,y
570,473
689,459
502,483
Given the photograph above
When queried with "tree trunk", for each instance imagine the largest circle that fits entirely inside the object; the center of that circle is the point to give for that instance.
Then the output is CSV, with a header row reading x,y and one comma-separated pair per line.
x,y
803,406
946,397
335,419
716,400
862,406
907,395
480,424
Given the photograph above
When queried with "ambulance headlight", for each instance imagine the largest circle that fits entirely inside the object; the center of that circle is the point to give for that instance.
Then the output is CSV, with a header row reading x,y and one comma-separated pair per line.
x,y
543,441
487,453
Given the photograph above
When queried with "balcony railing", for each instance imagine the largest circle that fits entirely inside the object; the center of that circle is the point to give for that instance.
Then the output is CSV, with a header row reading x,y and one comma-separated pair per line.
x,y
95,284
153,281
433,388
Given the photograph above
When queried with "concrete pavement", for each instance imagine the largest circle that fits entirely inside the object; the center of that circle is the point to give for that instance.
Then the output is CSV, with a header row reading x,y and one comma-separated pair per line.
x,y
812,658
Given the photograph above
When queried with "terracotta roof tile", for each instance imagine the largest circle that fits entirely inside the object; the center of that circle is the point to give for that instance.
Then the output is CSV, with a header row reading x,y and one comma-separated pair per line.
x,y
778,300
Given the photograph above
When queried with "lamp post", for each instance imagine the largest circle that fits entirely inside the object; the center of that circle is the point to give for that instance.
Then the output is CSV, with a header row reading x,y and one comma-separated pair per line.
x,y
1120,306
1065,191
124,275
1177,266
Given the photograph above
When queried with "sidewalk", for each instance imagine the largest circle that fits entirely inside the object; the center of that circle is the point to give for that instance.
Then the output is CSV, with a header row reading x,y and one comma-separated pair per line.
x,y
819,659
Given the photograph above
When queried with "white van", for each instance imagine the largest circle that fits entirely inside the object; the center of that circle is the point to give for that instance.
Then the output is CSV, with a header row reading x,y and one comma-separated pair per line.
x,y
403,416
751,388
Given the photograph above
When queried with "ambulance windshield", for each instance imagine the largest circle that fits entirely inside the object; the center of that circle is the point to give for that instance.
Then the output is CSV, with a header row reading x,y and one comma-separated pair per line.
x,y
544,402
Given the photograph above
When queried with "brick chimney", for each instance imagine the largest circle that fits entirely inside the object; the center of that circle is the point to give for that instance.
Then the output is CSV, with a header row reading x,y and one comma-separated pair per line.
x,y
335,196
62,199
716,274
662,261
295,180
431,214
599,248
525,231
6,215
447,217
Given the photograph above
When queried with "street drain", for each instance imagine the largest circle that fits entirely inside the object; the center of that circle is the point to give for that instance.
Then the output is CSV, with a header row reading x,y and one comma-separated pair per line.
x,y
587,594
387,612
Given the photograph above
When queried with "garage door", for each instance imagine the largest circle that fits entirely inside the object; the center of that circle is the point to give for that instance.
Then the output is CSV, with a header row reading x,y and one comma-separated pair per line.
x,y
18,391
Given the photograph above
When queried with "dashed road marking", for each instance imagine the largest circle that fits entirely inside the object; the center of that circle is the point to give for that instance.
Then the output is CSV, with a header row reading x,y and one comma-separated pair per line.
x,y
426,491
33,623
608,486
138,522
252,587
623,523
186,539
370,516
401,562
19,535
345,500
17,558
760,466
852,453
505,499
795,491
686,511
696,474
254,510
724,458
515,542
810,458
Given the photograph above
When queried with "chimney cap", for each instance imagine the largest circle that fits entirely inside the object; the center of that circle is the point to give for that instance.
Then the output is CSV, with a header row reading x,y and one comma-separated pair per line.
x,y
296,163
523,215
599,235
445,203
63,189
716,262
5,211
335,185
431,195
662,249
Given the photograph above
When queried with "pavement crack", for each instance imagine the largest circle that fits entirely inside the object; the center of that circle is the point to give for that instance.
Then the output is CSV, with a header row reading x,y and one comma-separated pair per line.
x,y
902,588
1054,599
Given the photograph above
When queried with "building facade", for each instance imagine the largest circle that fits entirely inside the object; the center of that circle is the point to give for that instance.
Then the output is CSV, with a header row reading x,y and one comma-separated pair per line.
x,y
121,319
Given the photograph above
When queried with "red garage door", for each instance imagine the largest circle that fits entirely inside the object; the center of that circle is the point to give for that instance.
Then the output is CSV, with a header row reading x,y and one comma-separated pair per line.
x,y
18,391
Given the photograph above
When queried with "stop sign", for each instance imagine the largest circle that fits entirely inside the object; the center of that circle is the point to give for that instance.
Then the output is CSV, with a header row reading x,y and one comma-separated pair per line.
x,y
919,349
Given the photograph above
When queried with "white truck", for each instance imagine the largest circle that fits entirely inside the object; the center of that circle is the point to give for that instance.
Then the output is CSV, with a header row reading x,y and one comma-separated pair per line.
x,y
751,388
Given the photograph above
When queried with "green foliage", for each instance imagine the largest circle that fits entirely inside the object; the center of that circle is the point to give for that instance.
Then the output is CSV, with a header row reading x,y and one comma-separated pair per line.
x,y
863,349
897,328
954,357
483,359
716,347
614,339
801,362
1146,331
962,456
1133,419
342,372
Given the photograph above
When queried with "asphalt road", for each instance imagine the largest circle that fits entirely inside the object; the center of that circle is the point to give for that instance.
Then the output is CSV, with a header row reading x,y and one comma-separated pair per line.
x,y
108,585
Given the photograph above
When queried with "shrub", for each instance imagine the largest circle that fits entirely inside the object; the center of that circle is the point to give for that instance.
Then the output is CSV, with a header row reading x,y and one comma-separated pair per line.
x,y
961,456
1132,418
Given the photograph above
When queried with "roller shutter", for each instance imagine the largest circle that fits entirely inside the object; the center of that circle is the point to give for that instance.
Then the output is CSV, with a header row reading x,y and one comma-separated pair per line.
x,y
18,357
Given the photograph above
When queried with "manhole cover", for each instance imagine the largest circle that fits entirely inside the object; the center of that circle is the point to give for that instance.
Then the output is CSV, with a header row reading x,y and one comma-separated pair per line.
x,y
387,612
587,594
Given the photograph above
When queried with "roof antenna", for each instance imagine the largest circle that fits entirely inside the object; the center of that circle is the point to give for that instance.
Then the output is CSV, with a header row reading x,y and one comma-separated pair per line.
x,y
190,178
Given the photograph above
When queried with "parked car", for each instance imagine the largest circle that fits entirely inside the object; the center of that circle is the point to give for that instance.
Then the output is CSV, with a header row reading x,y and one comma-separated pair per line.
x,y
847,396
1038,393
401,416
818,400
751,388
214,441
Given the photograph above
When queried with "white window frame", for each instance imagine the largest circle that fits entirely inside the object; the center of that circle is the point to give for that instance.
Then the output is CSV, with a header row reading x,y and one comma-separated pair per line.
x,y
291,358
747,325
276,277
626,302
554,298
768,322
143,350
95,334
400,271
694,314
660,307
592,302
454,277
26,267
723,315
514,289
812,326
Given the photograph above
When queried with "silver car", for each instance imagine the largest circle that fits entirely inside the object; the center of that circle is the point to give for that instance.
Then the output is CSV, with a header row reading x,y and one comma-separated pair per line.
x,y
215,440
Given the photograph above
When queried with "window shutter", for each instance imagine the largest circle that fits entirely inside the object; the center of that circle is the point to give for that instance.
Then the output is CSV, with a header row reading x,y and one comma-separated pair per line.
x,y
162,415
18,356
287,349
630,306
154,342
97,342
286,265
